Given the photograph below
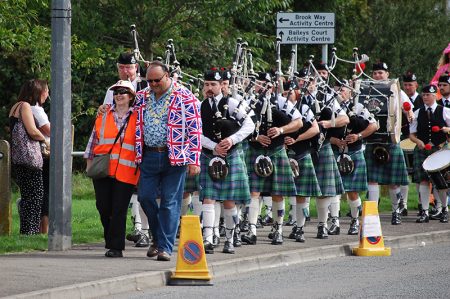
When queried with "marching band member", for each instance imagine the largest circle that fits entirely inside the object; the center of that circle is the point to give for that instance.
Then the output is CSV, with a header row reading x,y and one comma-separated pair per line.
x,y
347,147
429,140
410,88
305,181
393,173
272,172
330,115
222,177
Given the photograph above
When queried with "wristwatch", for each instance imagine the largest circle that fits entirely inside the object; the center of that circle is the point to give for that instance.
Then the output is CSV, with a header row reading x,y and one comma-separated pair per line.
x,y
360,136
281,131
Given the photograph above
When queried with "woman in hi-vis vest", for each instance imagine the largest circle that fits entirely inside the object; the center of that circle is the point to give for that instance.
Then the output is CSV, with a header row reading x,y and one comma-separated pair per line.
x,y
113,134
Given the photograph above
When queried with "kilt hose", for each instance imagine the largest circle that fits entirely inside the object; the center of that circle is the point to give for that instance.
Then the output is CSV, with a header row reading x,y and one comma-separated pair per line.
x,y
281,181
419,156
233,187
306,183
392,173
357,180
327,172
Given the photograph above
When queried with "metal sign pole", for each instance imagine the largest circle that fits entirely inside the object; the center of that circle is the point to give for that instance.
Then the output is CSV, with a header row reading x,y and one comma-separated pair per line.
x,y
325,54
60,204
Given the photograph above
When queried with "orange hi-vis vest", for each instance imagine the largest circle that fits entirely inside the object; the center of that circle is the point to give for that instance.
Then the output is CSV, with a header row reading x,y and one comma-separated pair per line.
x,y
122,164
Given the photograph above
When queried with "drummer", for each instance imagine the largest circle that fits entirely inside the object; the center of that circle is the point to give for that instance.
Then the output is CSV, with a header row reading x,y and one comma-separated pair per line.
x,y
429,130
393,173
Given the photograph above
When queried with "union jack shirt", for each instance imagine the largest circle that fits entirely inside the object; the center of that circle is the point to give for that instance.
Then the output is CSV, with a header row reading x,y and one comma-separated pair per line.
x,y
184,126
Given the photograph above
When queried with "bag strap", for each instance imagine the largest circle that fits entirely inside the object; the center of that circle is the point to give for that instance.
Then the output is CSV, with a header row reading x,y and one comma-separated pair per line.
x,y
120,132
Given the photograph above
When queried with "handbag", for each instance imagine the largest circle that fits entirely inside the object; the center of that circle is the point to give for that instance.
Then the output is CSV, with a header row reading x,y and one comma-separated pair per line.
x,y
100,164
25,151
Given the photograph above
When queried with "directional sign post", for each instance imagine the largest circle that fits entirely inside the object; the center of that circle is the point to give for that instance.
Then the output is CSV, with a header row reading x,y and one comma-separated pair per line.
x,y
306,28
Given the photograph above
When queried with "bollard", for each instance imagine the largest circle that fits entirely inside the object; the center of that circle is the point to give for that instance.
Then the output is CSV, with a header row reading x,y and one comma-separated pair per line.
x,y
5,189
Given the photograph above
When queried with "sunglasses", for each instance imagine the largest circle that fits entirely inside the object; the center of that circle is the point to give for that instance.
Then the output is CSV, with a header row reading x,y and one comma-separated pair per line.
x,y
155,80
121,91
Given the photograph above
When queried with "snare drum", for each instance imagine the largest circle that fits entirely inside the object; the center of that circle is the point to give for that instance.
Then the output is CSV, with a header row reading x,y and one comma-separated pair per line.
x,y
382,99
437,166
408,151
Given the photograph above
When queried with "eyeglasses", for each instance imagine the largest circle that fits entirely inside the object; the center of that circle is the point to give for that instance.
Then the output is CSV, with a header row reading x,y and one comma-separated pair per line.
x,y
121,91
150,81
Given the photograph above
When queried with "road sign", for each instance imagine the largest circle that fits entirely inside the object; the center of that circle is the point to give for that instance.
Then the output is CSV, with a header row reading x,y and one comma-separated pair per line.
x,y
306,28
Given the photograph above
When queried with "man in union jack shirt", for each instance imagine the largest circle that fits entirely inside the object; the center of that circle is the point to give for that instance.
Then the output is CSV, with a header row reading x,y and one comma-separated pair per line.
x,y
168,146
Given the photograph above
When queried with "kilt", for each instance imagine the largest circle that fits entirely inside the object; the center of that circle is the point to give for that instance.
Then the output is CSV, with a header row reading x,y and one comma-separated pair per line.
x,y
233,187
191,183
420,156
327,172
306,183
357,180
281,182
392,173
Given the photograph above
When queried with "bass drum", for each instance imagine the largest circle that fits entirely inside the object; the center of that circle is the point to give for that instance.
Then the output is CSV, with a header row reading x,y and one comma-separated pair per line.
x,y
437,166
382,99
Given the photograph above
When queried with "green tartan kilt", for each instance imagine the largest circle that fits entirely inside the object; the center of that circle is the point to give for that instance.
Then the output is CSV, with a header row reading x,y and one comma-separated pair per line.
x,y
357,180
392,173
327,172
281,182
233,187
419,156
306,183
191,183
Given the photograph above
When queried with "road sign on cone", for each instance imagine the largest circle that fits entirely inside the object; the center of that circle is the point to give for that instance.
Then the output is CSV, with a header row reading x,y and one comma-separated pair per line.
x,y
371,242
192,268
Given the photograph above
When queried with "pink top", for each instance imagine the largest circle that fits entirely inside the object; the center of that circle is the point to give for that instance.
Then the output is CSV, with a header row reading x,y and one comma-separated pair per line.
x,y
439,72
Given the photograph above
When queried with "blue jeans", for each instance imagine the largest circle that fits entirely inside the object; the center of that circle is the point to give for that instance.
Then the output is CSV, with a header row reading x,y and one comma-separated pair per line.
x,y
160,179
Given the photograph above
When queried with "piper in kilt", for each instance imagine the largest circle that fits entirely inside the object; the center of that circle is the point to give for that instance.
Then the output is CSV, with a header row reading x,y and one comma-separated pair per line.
x,y
429,130
299,143
347,147
394,172
330,115
222,175
275,117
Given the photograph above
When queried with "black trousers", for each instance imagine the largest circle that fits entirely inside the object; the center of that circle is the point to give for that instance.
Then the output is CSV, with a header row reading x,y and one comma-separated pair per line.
x,y
112,200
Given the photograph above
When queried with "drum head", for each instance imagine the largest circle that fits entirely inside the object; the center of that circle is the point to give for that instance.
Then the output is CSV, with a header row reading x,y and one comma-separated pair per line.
x,y
437,161
407,145
396,111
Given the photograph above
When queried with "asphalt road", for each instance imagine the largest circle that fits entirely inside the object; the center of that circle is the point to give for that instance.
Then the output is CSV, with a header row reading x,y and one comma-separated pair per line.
x,y
422,272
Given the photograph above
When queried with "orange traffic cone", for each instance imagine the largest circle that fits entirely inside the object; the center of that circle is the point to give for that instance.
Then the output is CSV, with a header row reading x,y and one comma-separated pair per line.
x,y
371,242
192,268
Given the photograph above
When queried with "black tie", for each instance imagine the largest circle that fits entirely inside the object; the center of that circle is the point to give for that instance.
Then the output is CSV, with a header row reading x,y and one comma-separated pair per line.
x,y
214,105
447,103
429,113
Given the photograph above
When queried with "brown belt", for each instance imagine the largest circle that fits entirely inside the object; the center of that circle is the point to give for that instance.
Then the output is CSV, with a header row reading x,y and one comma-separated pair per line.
x,y
158,149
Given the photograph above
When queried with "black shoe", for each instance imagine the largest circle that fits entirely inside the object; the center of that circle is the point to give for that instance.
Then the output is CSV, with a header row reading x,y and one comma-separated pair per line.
x,y
349,214
396,219
209,248
334,228
267,220
423,218
290,221
216,241
244,224
293,232
249,238
277,238
134,236
354,227
114,253
143,241
237,237
299,235
272,230
228,247
322,231
259,223
444,216
152,251
308,218
419,208
404,212
436,216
